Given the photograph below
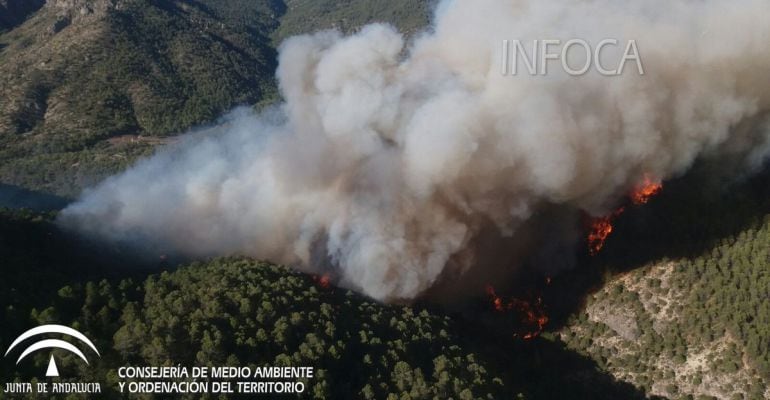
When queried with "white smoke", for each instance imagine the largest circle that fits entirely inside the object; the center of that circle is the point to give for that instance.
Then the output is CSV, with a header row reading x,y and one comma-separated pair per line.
x,y
398,167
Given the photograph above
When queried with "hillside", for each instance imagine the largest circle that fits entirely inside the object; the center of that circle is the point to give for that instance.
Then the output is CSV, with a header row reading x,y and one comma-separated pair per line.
x,y
79,75
233,311
675,305
304,16
87,86
683,310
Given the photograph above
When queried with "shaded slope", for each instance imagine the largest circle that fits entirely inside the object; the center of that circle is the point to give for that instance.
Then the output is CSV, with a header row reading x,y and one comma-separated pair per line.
x,y
14,12
239,312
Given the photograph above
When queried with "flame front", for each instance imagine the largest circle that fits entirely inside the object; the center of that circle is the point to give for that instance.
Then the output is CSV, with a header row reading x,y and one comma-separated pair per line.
x,y
647,190
601,227
532,313
600,230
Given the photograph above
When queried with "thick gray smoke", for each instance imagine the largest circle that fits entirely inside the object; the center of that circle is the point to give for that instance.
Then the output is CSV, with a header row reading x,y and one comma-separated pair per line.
x,y
398,166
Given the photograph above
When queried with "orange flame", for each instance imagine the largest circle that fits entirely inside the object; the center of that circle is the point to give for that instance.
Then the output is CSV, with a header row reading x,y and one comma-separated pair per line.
x,y
601,227
534,317
645,191
600,230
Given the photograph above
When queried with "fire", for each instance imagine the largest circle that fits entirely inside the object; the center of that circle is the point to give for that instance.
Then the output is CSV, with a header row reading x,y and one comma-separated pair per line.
x,y
600,230
644,192
533,316
324,281
601,227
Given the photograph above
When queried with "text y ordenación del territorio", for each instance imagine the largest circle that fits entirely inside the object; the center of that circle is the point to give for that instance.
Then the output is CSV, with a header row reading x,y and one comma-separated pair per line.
x,y
181,380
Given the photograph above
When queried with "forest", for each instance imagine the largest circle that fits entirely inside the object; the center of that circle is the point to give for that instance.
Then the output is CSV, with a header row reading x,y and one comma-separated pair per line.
x,y
241,312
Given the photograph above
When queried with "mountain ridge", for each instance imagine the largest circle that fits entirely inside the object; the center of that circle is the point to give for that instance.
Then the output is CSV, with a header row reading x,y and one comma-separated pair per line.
x,y
77,73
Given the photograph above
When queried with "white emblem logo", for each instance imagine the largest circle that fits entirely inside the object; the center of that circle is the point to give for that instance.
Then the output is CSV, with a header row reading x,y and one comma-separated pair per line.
x,y
52,344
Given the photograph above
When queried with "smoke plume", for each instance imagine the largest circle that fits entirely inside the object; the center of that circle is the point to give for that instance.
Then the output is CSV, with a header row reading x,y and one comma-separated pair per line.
x,y
396,165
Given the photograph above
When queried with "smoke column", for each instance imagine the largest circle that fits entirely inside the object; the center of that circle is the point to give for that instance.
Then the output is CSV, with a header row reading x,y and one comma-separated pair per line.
x,y
397,166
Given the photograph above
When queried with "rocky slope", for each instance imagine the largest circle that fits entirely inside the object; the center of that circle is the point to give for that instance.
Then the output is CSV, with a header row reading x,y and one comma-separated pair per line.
x,y
687,315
